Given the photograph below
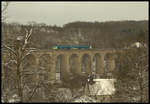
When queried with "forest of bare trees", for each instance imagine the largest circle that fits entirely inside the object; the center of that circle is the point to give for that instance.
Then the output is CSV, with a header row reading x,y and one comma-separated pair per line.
x,y
97,34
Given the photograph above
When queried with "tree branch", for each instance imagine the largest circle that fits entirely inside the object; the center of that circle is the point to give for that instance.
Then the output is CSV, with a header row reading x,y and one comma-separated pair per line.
x,y
28,35
10,49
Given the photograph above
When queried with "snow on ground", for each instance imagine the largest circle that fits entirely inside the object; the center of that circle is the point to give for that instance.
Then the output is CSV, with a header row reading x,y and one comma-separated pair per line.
x,y
102,87
57,76
84,99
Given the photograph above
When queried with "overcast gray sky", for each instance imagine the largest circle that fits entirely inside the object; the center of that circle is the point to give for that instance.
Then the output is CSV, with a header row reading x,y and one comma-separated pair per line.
x,y
60,13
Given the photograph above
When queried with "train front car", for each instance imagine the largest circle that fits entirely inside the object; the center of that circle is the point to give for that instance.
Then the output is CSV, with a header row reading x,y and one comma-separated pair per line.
x,y
54,47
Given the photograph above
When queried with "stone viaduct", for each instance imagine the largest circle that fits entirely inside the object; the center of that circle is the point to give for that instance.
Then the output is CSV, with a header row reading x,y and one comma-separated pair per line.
x,y
75,61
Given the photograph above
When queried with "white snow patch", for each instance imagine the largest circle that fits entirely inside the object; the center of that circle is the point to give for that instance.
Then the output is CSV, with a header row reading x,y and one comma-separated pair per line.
x,y
84,99
137,44
103,87
57,76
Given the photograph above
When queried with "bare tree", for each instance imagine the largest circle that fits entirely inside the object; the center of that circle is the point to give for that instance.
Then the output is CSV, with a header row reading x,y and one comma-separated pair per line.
x,y
20,52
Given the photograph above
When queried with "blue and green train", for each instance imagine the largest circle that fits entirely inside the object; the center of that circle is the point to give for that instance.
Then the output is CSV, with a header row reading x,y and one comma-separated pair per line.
x,y
72,47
